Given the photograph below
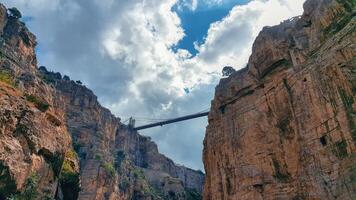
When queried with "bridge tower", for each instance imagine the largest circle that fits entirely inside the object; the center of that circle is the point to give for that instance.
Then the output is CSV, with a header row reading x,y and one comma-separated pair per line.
x,y
132,123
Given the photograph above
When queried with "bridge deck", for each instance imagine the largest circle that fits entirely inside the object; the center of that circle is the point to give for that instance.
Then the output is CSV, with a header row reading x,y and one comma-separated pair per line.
x,y
187,117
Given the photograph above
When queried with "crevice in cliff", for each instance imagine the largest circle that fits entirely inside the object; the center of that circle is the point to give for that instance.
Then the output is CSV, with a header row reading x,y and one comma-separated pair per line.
x,y
280,172
289,90
246,91
269,70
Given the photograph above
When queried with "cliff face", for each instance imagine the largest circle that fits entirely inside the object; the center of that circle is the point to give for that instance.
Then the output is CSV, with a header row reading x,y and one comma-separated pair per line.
x,y
285,127
57,141
103,142
33,135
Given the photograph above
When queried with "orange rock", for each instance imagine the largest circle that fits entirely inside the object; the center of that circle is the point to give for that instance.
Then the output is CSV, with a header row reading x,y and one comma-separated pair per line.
x,y
285,126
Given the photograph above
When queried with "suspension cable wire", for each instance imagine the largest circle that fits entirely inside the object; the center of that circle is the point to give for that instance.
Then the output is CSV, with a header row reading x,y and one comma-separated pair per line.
x,y
205,110
146,119
162,119
126,121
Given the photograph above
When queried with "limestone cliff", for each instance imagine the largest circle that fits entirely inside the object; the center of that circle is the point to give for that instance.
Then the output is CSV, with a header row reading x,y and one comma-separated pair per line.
x,y
284,127
57,141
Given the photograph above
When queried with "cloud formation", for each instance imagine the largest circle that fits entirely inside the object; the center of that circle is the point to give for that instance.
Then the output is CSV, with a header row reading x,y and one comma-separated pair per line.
x,y
124,51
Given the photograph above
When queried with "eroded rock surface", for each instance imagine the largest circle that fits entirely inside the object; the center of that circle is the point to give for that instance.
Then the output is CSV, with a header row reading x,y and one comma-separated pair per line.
x,y
284,127
57,141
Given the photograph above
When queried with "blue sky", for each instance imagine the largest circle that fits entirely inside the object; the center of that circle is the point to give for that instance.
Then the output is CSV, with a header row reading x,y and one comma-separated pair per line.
x,y
196,22
122,50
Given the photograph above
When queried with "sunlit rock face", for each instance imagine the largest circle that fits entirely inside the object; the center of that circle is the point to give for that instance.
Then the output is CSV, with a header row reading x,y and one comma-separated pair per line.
x,y
285,127
57,141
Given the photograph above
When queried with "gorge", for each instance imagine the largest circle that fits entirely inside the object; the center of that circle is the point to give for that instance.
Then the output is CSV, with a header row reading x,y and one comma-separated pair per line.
x,y
283,127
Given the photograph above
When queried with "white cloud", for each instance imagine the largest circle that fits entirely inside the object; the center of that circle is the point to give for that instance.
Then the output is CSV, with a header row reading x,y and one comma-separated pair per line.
x,y
229,41
214,2
123,51
190,4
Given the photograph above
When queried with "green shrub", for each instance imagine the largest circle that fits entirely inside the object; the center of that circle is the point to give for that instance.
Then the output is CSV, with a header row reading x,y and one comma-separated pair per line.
x,y
98,157
156,194
7,78
71,154
148,190
70,181
30,189
109,168
192,194
40,105
67,167
138,173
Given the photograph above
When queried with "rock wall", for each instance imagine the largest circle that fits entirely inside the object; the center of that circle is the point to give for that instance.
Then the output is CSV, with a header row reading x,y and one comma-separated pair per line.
x,y
284,127
102,141
33,137
57,141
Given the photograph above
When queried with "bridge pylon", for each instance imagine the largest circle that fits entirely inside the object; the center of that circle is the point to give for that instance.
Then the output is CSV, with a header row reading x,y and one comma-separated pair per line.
x,y
132,123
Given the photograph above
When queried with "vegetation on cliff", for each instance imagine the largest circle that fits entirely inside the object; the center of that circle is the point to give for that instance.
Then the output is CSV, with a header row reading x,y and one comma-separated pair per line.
x,y
69,177
30,191
40,104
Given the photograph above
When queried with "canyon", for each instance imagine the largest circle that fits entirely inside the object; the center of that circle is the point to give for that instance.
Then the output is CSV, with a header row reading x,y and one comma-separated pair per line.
x,y
283,127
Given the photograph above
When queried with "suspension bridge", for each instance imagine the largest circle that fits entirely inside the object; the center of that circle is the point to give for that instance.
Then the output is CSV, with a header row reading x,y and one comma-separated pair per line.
x,y
150,122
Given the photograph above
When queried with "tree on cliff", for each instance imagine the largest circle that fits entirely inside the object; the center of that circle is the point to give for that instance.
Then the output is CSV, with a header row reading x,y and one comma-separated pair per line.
x,y
15,13
228,70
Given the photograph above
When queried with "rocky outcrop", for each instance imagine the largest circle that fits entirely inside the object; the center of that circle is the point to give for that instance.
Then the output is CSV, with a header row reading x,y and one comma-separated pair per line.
x,y
102,142
57,141
34,139
284,126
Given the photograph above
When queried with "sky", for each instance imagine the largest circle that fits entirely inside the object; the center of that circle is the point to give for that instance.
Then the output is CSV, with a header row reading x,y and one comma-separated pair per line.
x,y
152,58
